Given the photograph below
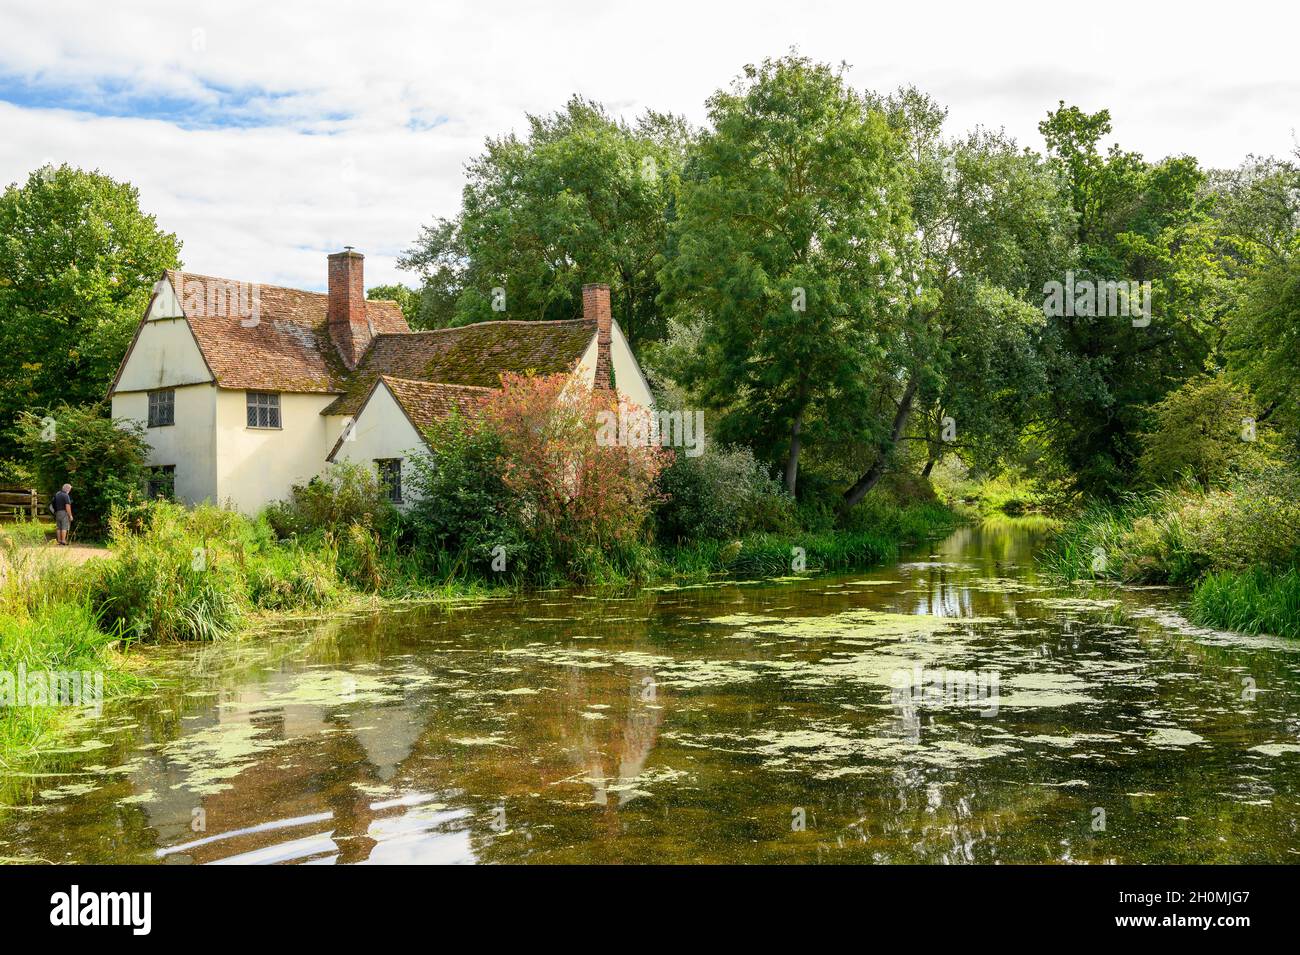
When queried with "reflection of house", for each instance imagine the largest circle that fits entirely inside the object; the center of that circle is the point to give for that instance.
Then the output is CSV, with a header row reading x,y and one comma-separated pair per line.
x,y
614,749
246,390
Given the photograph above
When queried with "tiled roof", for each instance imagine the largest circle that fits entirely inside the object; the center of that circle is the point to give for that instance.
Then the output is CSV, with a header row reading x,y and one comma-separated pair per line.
x,y
427,402
469,355
288,349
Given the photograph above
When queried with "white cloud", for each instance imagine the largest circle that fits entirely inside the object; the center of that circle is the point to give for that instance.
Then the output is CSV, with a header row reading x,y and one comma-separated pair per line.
x,y
344,92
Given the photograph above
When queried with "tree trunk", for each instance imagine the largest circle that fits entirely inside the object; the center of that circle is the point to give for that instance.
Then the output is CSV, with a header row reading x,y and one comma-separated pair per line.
x,y
929,466
792,461
877,470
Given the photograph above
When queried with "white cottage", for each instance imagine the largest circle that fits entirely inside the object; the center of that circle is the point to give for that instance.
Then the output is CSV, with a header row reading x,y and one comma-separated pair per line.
x,y
246,390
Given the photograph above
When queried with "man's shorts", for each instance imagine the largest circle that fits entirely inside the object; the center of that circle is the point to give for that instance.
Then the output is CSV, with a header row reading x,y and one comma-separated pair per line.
x,y
61,520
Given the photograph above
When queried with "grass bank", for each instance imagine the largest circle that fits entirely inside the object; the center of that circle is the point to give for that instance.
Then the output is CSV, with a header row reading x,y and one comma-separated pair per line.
x,y
877,536
1237,547
1254,601
52,647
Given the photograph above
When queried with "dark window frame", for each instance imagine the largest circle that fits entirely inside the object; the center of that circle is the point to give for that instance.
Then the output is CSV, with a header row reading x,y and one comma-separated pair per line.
x,y
389,471
262,410
162,408
161,482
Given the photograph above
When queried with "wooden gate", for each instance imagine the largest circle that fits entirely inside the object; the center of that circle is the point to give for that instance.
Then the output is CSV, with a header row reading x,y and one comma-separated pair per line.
x,y
23,504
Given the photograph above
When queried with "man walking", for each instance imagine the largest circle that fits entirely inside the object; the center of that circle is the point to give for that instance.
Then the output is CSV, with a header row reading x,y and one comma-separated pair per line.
x,y
62,506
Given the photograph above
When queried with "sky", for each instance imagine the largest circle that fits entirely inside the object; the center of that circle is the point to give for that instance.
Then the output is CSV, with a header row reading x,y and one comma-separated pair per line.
x,y
268,135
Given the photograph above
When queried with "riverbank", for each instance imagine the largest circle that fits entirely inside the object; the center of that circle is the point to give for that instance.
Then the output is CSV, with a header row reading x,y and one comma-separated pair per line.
x,y
173,574
1237,548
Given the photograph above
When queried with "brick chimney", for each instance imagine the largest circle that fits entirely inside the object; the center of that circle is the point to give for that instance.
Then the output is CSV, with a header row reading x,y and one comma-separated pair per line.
x,y
350,329
595,307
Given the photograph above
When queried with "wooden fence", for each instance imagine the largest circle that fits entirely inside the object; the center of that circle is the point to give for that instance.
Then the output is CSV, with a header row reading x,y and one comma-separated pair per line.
x,y
23,503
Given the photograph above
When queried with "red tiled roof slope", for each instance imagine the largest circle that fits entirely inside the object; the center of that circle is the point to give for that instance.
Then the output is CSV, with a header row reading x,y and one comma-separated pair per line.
x,y
428,402
289,347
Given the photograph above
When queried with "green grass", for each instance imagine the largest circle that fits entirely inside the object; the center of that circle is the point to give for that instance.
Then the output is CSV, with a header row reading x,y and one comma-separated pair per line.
x,y
58,637
26,532
1161,537
1237,546
881,531
1254,601
46,624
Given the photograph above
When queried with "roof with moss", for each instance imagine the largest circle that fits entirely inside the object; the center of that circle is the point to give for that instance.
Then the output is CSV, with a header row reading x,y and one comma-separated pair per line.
x,y
473,355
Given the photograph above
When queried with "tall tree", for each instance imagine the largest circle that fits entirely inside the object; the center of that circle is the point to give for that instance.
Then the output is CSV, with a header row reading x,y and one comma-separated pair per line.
x,y
1258,206
990,222
77,262
583,197
1136,222
784,258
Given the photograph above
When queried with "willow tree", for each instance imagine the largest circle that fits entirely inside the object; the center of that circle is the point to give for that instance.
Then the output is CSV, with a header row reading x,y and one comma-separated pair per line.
x,y
784,263
990,223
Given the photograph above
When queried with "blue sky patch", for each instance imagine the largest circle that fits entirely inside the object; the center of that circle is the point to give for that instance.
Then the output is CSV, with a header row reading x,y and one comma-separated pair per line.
x,y
221,107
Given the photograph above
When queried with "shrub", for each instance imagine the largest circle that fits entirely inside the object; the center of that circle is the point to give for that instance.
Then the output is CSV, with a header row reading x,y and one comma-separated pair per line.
x,y
462,506
720,494
102,458
292,578
576,500
344,495
1198,433
1179,536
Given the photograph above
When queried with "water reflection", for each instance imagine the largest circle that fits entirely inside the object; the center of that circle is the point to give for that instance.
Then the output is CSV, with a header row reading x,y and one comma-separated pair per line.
x,y
751,721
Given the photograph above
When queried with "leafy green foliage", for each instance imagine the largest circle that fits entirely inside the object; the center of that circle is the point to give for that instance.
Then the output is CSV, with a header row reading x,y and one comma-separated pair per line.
x,y
785,259
1204,430
78,260
991,223
462,505
720,494
1264,343
1140,222
344,495
1181,535
407,299
103,459
582,198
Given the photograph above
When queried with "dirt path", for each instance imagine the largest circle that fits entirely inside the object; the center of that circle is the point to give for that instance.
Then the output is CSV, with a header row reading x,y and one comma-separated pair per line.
x,y
73,553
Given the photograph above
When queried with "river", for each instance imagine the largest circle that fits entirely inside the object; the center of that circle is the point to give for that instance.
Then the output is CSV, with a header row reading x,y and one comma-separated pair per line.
x,y
951,708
